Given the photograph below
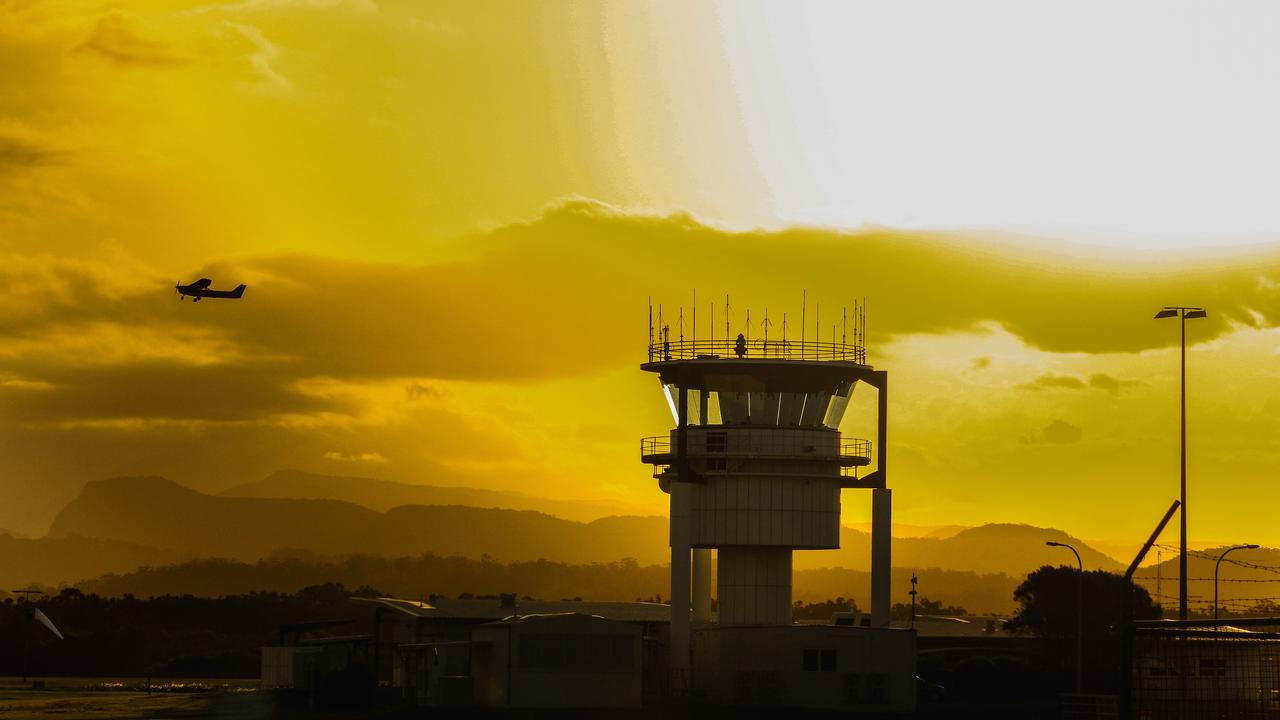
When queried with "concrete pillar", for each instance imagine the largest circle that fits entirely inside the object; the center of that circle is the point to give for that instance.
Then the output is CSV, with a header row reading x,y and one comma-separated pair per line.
x,y
755,585
680,574
702,585
881,539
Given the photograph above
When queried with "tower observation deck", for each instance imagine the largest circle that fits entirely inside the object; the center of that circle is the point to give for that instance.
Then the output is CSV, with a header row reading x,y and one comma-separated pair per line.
x,y
754,467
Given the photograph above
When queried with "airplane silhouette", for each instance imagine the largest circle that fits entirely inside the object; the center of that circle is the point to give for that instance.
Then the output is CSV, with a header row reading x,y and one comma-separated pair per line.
x,y
200,289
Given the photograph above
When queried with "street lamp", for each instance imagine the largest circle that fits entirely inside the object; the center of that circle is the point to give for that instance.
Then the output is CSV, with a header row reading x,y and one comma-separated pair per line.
x,y
1079,615
1185,313
1215,575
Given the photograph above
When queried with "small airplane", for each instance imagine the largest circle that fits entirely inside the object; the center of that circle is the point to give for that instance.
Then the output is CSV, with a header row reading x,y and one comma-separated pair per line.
x,y
200,289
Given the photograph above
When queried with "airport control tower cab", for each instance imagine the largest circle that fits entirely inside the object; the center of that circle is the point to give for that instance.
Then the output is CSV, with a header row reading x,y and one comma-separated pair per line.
x,y
754,466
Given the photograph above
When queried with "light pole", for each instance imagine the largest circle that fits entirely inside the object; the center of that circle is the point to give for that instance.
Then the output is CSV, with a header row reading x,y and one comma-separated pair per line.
x,y
914,580
1079,616
1185,313
1215,576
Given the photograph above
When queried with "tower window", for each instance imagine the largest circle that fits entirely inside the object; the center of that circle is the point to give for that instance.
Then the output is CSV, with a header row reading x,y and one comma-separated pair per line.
x,y
717,442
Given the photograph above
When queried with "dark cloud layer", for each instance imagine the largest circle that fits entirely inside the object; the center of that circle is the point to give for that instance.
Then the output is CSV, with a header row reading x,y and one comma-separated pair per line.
x,y
138,380
120,39
19,154
564,296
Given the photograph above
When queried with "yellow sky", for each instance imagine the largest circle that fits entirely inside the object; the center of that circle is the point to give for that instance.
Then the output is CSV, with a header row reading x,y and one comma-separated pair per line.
x,y
450,217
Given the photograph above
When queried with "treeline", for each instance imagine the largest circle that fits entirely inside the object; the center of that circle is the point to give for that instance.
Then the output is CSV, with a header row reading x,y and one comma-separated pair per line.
x,y
420,576
409,577
166,636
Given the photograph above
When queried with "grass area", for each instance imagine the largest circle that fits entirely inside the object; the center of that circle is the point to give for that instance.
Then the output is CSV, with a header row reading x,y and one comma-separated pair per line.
x,y
93,698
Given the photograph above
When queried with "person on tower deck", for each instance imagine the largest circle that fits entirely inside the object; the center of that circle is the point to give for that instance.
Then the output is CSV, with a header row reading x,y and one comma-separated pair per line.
x,y
666,342
740,346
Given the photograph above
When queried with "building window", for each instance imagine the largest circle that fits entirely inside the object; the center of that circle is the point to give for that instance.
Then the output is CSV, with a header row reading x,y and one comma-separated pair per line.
x,y
717,442
810,660
816,660
852,688
876,690
828,660
743,690
768,686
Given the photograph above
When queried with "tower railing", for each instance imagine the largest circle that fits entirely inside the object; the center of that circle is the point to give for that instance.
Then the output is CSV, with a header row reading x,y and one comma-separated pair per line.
x,y
851,451
757,348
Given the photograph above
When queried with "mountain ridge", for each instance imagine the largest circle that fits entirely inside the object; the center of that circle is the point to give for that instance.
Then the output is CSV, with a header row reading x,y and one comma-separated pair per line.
x,y
382,495
158,513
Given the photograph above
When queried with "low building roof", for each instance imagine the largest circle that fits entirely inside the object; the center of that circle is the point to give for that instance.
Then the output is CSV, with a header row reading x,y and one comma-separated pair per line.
x,y
490,609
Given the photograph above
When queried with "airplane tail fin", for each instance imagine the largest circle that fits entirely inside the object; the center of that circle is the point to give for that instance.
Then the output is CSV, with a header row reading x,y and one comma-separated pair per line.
x,y
238,291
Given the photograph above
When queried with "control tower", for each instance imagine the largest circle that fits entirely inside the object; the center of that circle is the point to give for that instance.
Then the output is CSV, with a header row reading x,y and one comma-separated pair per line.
x,y
754,468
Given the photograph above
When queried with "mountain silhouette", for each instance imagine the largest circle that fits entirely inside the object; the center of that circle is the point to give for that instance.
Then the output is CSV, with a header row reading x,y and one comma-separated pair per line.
x,y
159,513
50,561
382,495
994,548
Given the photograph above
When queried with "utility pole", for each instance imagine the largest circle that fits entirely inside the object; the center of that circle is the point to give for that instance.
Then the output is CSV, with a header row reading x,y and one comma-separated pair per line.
x,y
913,600
26,624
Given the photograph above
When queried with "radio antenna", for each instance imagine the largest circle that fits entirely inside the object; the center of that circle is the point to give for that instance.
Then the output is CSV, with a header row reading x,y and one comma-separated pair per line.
x,y
726,318
650,328
804,306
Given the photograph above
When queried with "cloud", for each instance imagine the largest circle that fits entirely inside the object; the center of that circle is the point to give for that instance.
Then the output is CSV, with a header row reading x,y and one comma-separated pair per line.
x,y
1051,381
981,363
17,153
1061,432
241,40
418,391
1103,381
364,457
124,40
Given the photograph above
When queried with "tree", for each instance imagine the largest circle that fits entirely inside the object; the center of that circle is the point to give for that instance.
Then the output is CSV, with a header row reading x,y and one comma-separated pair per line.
x,y
925,606
1047,610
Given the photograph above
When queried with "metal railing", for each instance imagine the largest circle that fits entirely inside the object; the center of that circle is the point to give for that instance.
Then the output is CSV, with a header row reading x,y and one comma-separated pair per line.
x,y
659,446
777,349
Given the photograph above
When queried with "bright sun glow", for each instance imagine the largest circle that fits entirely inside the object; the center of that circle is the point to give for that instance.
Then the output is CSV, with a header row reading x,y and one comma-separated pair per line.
x,y
1145,124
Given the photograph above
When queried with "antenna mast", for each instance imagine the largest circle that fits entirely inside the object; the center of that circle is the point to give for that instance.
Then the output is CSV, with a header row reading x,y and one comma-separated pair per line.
x,y
726,318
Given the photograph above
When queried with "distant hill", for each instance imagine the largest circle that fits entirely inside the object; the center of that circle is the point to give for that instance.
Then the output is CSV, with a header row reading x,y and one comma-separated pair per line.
x,y
903,530
382,495
49,561
159,513
1239,587
996,548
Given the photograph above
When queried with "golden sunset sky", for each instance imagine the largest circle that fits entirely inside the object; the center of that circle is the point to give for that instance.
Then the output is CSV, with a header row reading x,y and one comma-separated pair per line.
x,y
451,216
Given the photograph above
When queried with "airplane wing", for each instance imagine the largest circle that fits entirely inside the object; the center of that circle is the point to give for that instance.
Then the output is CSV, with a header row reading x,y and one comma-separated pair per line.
x,y
45,621
200,284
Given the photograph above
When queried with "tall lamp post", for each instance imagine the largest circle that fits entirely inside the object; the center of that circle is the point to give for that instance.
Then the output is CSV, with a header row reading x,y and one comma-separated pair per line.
x,y
1215,575
1185,313
1079,615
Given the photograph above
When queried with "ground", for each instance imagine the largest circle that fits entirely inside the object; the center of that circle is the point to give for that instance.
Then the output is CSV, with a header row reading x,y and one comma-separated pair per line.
x,y
127,699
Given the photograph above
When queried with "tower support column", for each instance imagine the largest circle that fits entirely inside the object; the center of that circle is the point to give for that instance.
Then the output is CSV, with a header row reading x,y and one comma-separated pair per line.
x,y
702,585
881,539
680,591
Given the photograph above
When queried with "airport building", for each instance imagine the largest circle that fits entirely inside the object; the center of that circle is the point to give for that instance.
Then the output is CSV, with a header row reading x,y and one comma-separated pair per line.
x,y
754,467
